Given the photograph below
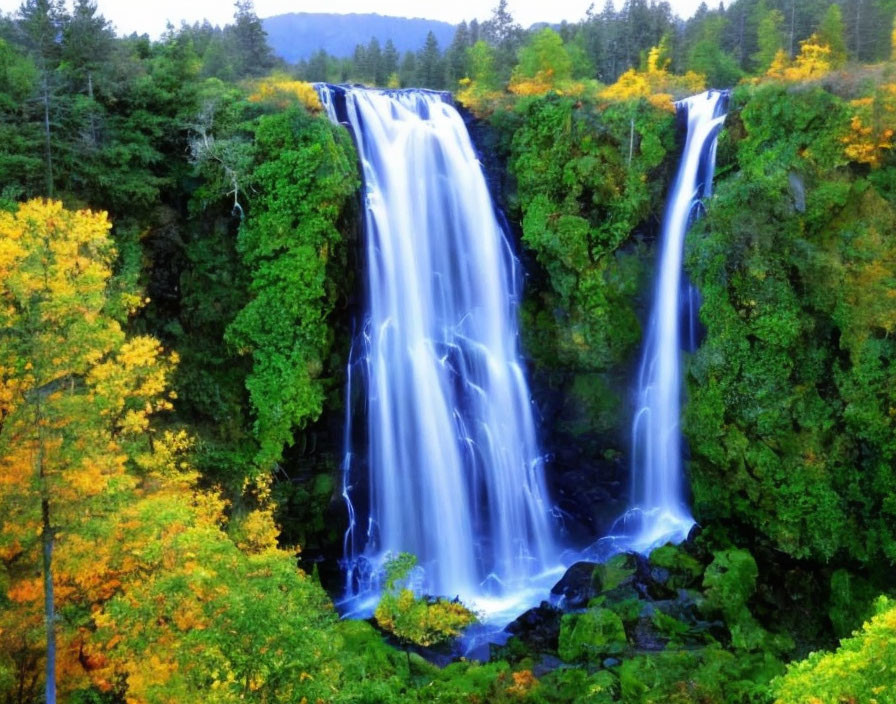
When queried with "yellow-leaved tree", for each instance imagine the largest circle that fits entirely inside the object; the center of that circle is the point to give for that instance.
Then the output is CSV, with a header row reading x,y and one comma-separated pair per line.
x,y
654,82
813,61
73,393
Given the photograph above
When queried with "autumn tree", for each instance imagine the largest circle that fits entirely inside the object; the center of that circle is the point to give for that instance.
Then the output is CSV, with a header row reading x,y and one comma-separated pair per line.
x,y
73,391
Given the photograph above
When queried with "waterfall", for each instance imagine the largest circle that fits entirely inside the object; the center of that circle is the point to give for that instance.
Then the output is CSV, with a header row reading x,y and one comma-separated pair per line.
x,y
453,472
658,511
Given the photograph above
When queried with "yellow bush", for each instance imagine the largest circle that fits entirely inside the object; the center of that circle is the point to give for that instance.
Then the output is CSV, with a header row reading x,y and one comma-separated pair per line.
x,y
813,61
863,669
654,82
283,91
871,128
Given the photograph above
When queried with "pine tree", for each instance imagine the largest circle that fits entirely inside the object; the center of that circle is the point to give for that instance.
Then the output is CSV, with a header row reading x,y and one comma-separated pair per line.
x,y
831,32
430,68
456,62
42,23
253,54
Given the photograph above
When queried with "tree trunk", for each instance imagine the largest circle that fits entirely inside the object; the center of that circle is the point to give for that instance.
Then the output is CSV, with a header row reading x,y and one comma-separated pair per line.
x,y
49,604
49,155
47,545
92,109
792,25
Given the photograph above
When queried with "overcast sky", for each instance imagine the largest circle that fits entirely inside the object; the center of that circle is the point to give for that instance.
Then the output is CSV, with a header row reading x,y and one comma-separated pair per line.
x,y
150,16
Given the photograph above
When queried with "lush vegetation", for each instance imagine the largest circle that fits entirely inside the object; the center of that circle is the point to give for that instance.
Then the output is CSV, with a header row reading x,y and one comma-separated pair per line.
x,y
178,277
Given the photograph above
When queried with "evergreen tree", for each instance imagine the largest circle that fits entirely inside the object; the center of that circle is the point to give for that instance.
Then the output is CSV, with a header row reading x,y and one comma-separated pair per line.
x,y
769,37
375,69
407,73
317,68
830,32
253,54
390,59
42,23
456,62
506,36
430,67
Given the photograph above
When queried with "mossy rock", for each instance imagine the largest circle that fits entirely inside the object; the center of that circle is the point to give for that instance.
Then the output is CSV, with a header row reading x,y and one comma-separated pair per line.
x,y
684,570
623,602
591,635
729,581
618,571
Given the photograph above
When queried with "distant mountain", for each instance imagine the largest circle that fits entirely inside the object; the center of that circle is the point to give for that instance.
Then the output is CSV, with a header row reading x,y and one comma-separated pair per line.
x,y
298,35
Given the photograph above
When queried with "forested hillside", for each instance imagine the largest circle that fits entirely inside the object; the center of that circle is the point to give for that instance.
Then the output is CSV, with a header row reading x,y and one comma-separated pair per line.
x,y
180,276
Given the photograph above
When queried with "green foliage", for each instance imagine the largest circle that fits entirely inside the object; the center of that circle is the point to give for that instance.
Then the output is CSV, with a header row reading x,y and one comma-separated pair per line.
x,y
789,415
862,669
769,37
615,572
587,177
590,635
577,686
831,32
290,244
422,621
709,58
708,674
684,569
730,580
851,603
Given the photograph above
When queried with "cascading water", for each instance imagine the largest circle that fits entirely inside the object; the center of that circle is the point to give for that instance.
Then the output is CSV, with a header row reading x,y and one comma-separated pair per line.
x,y
658,510
454,474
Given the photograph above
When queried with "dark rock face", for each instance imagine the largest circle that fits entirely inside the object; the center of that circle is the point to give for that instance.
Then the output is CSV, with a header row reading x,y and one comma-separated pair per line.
x,y
576,587
538,628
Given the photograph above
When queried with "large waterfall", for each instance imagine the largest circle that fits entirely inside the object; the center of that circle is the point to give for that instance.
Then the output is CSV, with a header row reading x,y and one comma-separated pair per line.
x,y
658,512
453,472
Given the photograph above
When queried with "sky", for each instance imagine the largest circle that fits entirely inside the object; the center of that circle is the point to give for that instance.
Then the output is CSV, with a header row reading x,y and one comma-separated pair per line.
x,y
150,16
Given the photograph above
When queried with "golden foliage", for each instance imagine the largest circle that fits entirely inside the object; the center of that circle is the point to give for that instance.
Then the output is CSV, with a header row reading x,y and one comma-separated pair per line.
x,y
813,61
283,91
872,126
654,83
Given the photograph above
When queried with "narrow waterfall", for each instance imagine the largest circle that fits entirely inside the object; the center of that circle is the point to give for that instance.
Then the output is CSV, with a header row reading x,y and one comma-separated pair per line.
x,y
452,468
658,511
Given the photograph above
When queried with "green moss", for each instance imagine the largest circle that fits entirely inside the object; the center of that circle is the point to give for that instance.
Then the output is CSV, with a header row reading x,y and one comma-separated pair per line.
x,y
684,570
730,580
590,635
615,572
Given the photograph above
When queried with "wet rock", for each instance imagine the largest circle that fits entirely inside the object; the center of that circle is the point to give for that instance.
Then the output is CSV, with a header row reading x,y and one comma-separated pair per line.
x,y
619,571
538,628
576,587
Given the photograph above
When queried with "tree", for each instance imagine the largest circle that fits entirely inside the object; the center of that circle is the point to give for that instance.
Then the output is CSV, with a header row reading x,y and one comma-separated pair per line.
x,y
707,57
769,37
253,54
482,85
73,392
390,60
407,72
505,35
430,67
375,69
830,33
42,22
543,64
456,56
